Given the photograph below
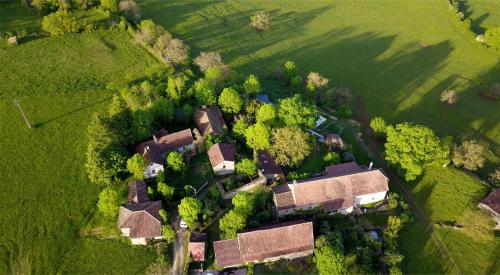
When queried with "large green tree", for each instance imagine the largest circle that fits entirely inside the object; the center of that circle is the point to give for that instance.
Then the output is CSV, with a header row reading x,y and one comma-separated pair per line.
x,y
168,233
189,209
293,111
257,136
411,148
252,85
163,109
141,125
290,145
231,223
175,161
244,203
109,202
136,165
246,167
329,256
266,114
204,93
230,101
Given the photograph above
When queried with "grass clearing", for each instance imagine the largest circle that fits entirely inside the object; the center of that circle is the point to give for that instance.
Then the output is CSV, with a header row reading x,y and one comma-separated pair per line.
x,y
485,14
46,194
15,17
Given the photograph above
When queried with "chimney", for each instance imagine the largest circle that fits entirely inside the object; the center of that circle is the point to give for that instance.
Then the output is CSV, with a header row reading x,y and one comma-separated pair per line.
x,y
155,139
370,167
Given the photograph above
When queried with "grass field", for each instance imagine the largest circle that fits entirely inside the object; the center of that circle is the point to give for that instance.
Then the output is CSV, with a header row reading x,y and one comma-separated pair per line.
x,y
14,17
485,14
46,196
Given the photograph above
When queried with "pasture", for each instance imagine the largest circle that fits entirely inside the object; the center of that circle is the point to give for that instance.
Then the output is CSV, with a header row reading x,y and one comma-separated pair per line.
x,y
46,196
485,14
14,17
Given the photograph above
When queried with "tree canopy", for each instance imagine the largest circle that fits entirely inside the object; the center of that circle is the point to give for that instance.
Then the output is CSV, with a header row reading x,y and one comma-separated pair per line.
x,y
204,93
252,85
231,223
168,233
109,202
266,114
244,203
411,148
469,154
246,167
230,101
290,145
257,136
136,165
189,209
329,259
166,190
175,161
293,111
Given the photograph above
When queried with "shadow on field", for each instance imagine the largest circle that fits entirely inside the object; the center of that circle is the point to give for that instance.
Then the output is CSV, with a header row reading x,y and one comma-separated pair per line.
x,y
81,108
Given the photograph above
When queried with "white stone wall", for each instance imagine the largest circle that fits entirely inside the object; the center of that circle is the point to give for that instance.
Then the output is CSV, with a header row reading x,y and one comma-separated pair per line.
x,y
139,241
224,168
369,198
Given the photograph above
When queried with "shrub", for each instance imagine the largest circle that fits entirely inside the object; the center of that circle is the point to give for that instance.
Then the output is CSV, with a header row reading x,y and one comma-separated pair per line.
x,y
332,158
393,200
469,155
136,165
61,22
289,69
175,161
166,190
168,233
148,32
163,215
260,21
348,156
189,209
252,85
316,81
492,38
337,97
494,177
449,97
130,10
296,83
246,167
345,111
108,203
109,5
378,126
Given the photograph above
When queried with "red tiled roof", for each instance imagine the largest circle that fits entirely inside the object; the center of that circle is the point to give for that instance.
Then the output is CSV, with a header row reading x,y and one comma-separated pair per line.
x,y
268,164
343,169
493,200
221,152
196,246
153,150
335,191
143,219
283,196
210,121
137,192
266,242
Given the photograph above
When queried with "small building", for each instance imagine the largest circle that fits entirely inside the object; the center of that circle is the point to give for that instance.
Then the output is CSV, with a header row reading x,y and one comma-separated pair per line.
x,y
222,157
344,187
269,167
209,120
334,142
320,121
288,240
491,204
154,151
140,220
196,247
263,98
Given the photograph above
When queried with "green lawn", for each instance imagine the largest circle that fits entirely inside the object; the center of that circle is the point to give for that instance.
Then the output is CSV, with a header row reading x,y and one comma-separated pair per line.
x,y
46,196
14,17
485,14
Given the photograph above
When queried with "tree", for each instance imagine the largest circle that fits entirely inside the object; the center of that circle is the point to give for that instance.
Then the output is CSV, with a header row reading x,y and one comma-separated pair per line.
x,y
449,97
230,101
108,203
266,114
176,52
189,209
392,228
260,21
378,126
337,97
246,167
231,223
168,233
148,32
411,148
109,5
290,146
469,154
244,203
294,112
61,22
163,109
208,59
175,87
166,190
163,215
289,69
252,85
492,37
162,42
316,81
257,136
215,76
494,177
329,260
204,93
130,10
120,116
240,128
136,165
141,125
175,161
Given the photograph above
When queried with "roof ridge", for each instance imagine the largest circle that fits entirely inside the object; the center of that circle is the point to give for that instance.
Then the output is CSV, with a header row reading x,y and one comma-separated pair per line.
x,y
272,228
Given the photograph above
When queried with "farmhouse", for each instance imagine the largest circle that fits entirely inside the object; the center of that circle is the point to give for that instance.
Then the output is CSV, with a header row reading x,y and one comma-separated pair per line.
x,y
344,187
140,219
222,158
209,120
154,150
491,204
196,246
269,168
282,241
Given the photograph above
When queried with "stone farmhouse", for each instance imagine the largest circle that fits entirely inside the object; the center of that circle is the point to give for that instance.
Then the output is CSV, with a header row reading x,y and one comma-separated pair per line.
x,y
209,120
491,204
288,240
154,151
139,220
222,157
343,187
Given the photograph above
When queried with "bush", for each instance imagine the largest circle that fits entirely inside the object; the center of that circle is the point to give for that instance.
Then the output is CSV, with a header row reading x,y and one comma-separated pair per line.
x,y
108,203
378,126
260,21
449,97
469,155
348,157
337,97
166,191
494,177
208,59
109,5
61,22
345,112
492,38
393,200
332,158
168,233
246,167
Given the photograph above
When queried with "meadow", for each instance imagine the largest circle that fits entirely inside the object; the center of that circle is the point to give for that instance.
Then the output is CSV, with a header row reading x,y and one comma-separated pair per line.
x,y
484,14
397,64
46,197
